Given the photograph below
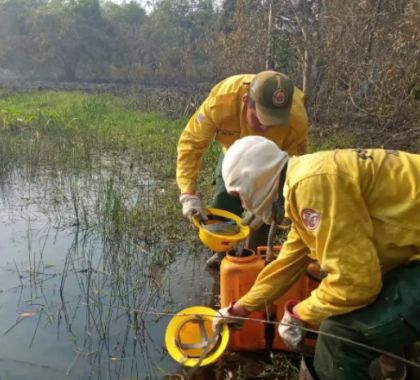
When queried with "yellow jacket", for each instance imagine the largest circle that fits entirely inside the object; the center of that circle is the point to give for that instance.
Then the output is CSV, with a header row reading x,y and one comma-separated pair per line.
x,y
357,212
223,116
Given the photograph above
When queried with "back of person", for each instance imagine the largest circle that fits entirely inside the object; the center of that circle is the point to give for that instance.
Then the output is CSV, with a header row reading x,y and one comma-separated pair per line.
x,y
357,212
225,107
266,104
386,182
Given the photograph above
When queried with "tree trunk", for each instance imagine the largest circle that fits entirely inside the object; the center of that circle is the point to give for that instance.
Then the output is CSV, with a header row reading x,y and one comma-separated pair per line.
x,y
369,52
268,52
306,74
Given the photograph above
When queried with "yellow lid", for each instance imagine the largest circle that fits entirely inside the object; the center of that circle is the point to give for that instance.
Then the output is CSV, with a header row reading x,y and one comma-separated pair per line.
x,y
190,339
219,242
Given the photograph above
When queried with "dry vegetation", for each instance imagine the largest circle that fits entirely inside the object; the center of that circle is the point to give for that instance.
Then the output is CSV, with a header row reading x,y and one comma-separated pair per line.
x,y
357,61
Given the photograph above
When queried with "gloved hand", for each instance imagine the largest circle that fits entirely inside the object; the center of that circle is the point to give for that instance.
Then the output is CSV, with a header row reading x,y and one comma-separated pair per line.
x,y
226,316
252,221
289,328
191,205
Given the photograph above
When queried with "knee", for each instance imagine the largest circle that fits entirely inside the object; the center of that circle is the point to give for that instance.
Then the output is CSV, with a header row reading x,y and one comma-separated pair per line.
x,y
331,352
330,330
327,344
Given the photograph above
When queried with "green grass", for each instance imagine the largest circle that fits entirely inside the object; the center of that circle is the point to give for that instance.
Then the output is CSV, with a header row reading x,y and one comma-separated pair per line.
x,y
82,124
99,122
332,139
67,133
92,154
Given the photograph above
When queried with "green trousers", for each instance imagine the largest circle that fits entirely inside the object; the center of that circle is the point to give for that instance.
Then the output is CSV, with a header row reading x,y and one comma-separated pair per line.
x,y
227,202
390,323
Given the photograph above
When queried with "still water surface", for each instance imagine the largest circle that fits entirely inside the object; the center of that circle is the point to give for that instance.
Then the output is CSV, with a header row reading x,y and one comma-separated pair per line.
x,y
67,297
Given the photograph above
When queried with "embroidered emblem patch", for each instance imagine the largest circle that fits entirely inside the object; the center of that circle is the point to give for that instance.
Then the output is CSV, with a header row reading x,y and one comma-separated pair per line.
x,y
310,218
279,98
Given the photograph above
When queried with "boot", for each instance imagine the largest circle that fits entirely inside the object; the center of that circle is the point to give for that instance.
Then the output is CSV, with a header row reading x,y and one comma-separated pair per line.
x,y
386,368
412,353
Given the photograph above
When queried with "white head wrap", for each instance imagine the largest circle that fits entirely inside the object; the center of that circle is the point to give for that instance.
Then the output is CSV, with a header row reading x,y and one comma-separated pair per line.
x,y
251,168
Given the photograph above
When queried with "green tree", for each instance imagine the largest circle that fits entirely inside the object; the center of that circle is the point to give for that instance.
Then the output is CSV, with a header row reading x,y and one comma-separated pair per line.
x,y
128,14
16,42
238,44
175,39
72,35
128,52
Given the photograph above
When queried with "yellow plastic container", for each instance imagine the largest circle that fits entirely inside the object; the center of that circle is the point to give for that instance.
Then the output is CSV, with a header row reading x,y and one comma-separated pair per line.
x,y
218,242
237,275
191,340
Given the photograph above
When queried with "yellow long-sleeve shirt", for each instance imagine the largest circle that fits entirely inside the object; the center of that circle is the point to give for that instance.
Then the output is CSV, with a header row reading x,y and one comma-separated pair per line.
x,y
222,116
357,212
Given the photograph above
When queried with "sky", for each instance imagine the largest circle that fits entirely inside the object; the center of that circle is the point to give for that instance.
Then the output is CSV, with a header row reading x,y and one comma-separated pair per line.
x,y
143,3
146,4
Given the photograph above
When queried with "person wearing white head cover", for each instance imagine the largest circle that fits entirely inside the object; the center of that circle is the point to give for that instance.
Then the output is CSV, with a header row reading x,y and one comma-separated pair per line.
x,y
255,177
355,211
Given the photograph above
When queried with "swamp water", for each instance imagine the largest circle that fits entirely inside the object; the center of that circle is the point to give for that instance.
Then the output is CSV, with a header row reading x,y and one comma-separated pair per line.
x,y
84,294
95,259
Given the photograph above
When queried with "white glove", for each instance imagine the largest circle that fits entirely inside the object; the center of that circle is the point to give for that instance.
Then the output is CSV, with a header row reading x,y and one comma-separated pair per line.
x,y
191,205
252,221
226,316
290,327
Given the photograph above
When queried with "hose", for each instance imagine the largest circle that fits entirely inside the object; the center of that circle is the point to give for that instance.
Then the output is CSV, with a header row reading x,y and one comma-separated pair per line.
x,y
270,242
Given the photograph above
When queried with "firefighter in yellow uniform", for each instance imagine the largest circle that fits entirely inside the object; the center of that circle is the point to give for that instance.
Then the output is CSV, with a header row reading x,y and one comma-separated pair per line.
x,y
357,212
265,104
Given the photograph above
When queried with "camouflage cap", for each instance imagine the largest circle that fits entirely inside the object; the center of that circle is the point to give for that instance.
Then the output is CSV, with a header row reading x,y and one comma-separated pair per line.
x,y
273,96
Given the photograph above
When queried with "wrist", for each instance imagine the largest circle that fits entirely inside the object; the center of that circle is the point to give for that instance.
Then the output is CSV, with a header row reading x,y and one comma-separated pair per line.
x,y
236,309
290,308
187,196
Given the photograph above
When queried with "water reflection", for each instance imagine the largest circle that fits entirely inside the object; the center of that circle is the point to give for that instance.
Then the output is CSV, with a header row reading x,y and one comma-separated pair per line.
x,y
88,311
85,303
90,276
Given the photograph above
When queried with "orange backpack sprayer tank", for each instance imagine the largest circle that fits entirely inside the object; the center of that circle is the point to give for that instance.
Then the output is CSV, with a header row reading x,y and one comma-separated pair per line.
x,y
300,290
237,275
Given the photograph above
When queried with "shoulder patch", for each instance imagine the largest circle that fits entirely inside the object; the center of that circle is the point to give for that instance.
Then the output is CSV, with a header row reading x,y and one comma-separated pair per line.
x,y
310,218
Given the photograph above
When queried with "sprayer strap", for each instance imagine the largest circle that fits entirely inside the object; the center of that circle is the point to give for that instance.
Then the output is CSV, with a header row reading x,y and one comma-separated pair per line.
x,y
278,205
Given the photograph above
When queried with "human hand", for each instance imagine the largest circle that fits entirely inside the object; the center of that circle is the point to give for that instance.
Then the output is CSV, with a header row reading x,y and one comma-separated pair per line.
x,y
191,206
252,221
290,327
228,316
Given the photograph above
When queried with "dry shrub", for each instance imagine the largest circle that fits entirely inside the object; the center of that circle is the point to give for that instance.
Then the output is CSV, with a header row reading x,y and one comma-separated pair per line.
x,y
368,67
